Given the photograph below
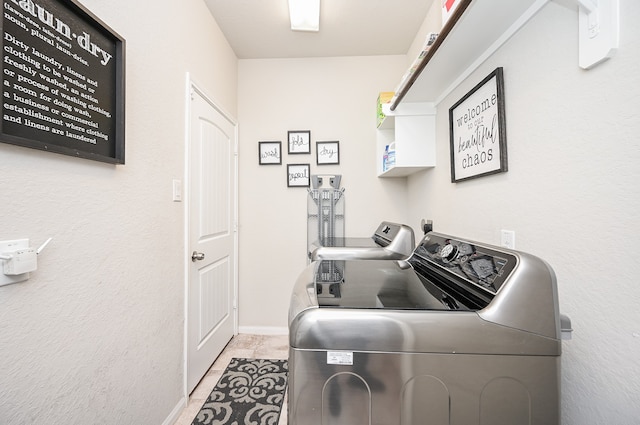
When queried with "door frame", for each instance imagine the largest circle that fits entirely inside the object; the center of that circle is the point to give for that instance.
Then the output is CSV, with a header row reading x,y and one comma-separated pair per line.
x,y
193,86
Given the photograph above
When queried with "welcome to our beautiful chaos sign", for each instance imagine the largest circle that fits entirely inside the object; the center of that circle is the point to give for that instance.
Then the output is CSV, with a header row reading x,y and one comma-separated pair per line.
x,y
478,130
63,80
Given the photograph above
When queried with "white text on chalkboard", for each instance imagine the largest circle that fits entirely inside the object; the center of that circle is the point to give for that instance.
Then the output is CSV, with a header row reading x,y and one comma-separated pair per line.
x,y
47,18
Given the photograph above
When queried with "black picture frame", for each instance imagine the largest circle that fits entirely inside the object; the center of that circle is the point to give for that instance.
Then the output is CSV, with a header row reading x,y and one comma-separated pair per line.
x,y
298,175
477,129
270,153
299,141
328,153
74,102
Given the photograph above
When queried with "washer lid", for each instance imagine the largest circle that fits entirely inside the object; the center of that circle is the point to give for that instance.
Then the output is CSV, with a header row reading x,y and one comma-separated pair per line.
x,y
376,284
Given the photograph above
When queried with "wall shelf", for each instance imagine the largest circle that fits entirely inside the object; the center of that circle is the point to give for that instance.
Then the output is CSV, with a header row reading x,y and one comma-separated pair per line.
x,y
412,127
472,34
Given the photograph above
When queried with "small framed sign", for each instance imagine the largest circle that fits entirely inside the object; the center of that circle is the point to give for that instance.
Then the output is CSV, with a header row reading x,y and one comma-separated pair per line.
x,y
298,175
327,153
269,153
477,130
299,141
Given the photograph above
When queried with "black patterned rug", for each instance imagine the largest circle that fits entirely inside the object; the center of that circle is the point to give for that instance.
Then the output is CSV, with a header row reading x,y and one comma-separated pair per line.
x,y
250,391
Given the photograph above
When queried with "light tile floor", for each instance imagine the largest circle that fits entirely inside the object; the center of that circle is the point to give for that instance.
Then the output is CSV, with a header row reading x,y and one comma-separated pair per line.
x,y
244,346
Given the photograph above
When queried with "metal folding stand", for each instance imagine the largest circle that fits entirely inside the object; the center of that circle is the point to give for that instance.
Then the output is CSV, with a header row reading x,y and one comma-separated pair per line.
x,y
325,221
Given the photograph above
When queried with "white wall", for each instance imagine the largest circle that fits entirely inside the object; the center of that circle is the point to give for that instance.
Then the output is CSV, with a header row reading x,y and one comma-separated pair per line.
x,y
97,334
335,99
571,195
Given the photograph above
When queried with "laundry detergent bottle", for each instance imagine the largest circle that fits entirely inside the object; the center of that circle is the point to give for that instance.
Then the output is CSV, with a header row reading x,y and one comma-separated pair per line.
x,y
391,156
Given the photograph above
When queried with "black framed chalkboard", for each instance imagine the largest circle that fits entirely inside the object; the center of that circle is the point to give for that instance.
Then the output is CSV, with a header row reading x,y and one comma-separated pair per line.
x,y
63,80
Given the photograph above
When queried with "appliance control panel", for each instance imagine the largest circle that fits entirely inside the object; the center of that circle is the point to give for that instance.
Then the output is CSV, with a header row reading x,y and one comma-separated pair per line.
x,y
483,266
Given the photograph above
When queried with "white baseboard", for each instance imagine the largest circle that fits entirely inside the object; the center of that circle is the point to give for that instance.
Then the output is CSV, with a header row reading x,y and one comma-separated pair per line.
x,y
263,330
175,413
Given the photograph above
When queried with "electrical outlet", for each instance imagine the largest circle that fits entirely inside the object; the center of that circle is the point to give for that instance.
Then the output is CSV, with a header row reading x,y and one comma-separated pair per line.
x,y
8,248
22,261
508,239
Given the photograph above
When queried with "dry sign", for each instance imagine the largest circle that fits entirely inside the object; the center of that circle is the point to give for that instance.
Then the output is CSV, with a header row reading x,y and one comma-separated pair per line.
x,y
478,131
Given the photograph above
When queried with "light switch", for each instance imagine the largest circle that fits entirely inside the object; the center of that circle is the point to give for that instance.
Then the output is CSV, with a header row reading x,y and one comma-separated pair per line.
x,y
177,191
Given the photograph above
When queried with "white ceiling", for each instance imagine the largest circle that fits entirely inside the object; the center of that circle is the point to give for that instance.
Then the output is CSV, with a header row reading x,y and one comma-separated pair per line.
x,y
261,28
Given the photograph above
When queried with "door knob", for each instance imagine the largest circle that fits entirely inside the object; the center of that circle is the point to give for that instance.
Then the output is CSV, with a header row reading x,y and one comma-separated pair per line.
x,y
197,256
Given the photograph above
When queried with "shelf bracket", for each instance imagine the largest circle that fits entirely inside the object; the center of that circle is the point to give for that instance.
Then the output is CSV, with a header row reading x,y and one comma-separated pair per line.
x,y
590,5
598,31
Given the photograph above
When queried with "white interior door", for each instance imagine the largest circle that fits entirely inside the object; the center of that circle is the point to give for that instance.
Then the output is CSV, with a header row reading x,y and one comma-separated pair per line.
x,y
212,237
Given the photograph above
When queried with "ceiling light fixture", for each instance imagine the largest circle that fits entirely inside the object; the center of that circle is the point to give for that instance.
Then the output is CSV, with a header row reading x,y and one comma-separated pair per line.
x,y
304,15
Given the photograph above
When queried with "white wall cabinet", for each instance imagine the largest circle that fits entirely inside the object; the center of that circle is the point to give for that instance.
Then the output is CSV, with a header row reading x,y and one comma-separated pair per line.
x,y
412,126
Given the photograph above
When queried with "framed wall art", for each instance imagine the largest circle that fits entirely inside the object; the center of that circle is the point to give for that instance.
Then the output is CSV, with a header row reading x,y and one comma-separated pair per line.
x,y
270,153
298,175
299,141
477,129
65,96
327,153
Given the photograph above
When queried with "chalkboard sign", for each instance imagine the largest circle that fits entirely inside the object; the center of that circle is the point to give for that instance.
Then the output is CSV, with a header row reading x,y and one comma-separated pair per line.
x,y
63,80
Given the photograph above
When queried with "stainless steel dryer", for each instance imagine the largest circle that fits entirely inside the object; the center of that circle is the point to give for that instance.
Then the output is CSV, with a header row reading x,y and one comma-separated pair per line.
x,y
461,333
